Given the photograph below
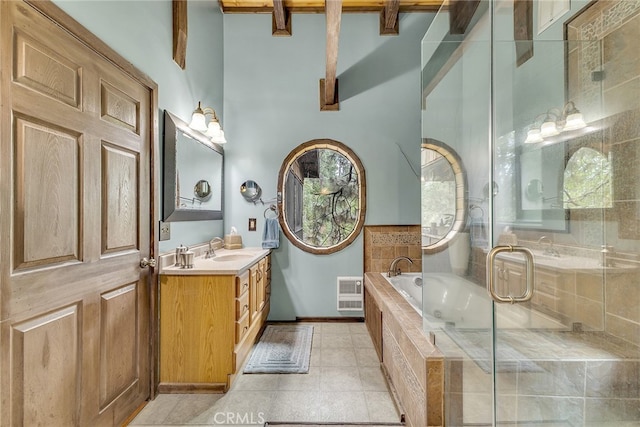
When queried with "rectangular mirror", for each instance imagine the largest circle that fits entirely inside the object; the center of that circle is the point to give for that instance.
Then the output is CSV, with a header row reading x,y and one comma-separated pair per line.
x,y
193,173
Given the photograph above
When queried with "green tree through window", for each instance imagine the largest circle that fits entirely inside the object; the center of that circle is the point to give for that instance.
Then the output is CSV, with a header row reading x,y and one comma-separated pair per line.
x,y
588,180
331,206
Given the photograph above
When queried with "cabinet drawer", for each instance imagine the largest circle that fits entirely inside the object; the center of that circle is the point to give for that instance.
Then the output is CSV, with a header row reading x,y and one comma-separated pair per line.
x,y
242,305
242,327
242,283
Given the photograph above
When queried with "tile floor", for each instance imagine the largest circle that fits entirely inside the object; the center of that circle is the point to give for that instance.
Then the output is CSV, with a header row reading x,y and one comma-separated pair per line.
x,y
344,384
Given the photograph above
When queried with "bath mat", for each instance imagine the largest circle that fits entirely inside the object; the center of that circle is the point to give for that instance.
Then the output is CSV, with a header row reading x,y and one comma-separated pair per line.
x,y
474,343
282,349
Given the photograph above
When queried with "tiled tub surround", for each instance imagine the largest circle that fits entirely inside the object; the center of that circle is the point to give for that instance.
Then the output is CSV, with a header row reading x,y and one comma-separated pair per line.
x,y
414,366
594,374
383,243
599,299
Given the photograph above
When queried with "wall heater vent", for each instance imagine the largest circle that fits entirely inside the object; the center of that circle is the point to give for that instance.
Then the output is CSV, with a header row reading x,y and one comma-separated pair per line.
x,y
350,291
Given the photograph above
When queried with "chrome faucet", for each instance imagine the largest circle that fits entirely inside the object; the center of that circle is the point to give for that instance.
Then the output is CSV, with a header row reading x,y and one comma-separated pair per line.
x,y
212,251
394,270
550,250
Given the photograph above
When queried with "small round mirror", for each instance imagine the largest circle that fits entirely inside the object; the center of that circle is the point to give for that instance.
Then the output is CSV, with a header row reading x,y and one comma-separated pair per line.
x,y
251,191
487,192
202,190
534,190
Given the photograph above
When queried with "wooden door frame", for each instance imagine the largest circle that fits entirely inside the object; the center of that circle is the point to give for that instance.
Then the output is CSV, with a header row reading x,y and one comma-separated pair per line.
x,y
52,12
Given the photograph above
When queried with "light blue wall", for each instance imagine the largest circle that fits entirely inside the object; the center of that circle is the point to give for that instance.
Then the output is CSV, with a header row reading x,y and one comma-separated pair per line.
x,y
141,31
272,106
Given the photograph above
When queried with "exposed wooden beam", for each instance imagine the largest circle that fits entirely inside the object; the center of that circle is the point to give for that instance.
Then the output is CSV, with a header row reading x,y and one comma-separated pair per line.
x,y
523,30
329,89
389,18
318,6
280,19
180,32
460,14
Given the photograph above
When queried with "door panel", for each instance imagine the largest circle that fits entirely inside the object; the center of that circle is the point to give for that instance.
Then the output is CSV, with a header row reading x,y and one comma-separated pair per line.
x,y
41,69
76,165
46,369
120,210
118,342
45,239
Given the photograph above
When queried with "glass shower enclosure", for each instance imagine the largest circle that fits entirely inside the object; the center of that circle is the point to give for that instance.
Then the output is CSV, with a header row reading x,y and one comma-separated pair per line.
x,y
534,297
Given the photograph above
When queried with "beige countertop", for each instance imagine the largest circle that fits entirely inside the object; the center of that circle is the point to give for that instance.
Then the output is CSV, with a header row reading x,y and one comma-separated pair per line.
x,y
225,262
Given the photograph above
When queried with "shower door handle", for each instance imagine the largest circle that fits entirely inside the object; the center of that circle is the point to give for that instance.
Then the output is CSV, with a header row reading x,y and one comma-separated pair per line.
x,y
529,275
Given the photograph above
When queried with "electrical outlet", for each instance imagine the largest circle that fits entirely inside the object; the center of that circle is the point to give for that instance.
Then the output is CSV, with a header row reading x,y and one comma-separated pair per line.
x,y
165,230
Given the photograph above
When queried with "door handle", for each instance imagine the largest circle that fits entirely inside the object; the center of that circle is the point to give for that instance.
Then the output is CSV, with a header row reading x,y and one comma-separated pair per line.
x,y
144,262
529,276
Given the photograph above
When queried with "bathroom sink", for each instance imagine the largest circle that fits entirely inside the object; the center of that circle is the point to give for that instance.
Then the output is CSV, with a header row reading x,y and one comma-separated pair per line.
x,y
233,257
224,262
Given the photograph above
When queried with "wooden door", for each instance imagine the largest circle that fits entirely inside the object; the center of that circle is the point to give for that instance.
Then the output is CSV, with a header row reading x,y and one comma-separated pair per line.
x,y
75,170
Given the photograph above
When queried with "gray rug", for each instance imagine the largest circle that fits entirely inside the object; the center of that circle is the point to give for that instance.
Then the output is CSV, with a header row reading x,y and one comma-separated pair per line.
x,y
282,349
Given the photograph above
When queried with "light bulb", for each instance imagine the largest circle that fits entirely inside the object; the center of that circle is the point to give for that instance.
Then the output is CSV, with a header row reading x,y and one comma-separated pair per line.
x,y
533,137
198,122
548,129
574,121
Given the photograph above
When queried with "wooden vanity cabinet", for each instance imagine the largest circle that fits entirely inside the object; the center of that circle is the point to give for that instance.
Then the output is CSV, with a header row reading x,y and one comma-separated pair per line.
x,y
510,277
208,325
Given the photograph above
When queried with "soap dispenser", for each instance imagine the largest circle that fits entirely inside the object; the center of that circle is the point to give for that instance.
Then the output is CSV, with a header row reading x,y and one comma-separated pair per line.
x,y
179,251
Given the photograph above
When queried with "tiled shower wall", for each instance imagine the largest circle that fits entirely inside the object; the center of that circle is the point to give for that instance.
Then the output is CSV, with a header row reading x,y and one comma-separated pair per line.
x,y
383,243
612,30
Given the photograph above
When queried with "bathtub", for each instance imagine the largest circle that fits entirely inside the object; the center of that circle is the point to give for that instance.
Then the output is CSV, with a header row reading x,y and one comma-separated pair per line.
x,y
407,285
456,302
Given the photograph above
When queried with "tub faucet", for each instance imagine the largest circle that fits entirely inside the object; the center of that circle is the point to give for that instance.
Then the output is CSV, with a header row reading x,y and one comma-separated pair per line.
x,y
394,270
550,250
212,251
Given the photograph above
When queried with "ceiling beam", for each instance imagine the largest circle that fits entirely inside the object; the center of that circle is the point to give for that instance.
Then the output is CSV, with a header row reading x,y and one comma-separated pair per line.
x,y
329,87
460,15
318,6
280,19
180,32
389,18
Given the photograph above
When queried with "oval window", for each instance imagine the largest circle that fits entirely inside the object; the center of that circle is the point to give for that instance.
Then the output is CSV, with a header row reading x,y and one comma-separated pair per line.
x,y
321,196
443,188
588,180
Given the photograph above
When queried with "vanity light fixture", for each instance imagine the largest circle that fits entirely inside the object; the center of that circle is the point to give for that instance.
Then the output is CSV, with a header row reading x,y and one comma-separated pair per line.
x,y
549,127
573,118
556,122
213,130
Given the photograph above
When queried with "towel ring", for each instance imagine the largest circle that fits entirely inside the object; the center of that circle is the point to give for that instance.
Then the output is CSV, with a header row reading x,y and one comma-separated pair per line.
x,y
271,208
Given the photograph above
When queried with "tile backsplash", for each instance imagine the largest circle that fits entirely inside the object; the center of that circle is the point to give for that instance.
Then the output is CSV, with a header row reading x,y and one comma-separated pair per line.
x,y
383,243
